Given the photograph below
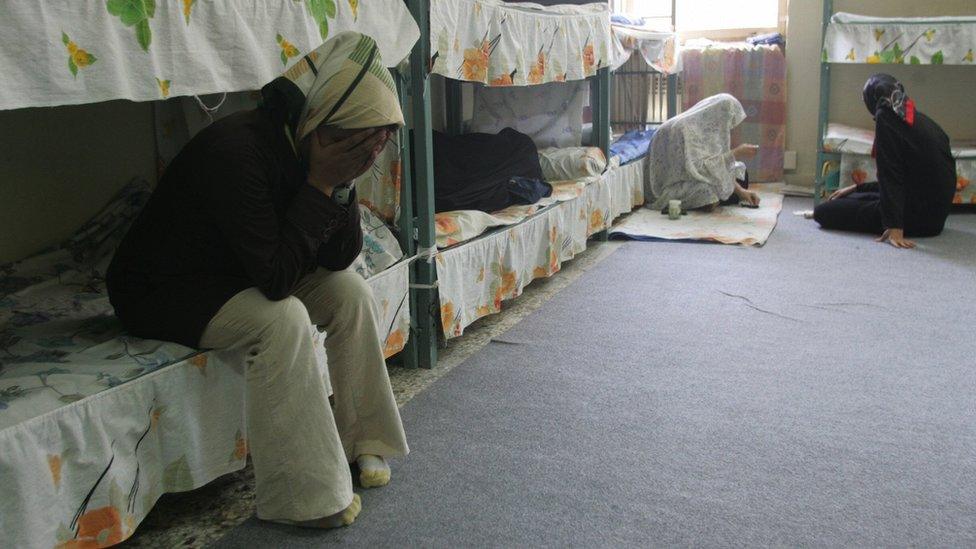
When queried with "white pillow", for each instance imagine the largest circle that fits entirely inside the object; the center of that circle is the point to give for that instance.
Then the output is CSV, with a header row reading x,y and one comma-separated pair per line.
x,y
571,163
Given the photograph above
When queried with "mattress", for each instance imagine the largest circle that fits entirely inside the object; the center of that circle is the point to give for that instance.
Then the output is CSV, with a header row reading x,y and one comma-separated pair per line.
x,y
857,166
852,38
93,423
476,276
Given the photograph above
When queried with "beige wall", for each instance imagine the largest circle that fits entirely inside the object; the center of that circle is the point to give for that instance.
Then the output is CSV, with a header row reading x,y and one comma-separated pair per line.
x,y
941,92
58,166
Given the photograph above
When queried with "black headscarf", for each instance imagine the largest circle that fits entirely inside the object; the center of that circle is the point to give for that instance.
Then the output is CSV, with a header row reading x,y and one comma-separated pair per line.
x,y
883,91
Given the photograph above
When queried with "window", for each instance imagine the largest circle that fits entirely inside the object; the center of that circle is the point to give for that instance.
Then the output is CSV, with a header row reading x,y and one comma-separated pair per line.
x,y
704,17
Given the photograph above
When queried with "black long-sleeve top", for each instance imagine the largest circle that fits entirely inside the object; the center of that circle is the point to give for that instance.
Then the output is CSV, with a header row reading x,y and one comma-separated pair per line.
x,y
916,171
233,211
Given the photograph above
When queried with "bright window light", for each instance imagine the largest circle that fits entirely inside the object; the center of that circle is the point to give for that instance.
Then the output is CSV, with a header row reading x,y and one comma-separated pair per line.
x,y
701,15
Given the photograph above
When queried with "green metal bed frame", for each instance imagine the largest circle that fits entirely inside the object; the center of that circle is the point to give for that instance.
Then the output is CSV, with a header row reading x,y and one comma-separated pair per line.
x,y
417,235
828,163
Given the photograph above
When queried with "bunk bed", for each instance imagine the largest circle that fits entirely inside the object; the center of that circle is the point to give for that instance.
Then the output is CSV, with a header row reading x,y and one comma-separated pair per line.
x,y
506,45
642,56
93,423
843,152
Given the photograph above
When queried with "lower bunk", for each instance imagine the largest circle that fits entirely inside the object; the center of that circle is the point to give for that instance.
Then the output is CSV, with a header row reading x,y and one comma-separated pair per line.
x,y
476,272
855,145
93,423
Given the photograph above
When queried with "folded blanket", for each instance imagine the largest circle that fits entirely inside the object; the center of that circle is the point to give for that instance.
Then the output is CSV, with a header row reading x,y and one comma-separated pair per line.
x,y
632,145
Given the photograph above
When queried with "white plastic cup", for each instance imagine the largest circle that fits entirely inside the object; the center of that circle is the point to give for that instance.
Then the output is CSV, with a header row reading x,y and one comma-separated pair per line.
x,y
674,209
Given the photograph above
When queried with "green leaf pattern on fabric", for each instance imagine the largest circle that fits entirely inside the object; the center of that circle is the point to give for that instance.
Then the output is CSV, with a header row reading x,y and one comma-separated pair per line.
x,y
135,13
321,11
77,57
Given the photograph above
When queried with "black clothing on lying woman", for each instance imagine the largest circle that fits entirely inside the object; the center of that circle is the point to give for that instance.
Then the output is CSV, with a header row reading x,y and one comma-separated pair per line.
x,y
232,211
487,172
916,171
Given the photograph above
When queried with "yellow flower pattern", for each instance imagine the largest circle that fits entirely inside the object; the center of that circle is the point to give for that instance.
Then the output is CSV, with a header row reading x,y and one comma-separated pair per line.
x,y
187,9
77,57
288,50
163,87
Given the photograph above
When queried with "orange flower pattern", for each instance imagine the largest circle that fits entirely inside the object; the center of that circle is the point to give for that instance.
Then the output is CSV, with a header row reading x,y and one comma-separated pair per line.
x,y
475,64
100,527
288,50
395,343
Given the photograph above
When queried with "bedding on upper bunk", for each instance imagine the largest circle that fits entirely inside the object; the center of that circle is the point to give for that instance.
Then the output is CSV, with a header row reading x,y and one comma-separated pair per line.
x,y
658,48
60,52
632,146
499,44
487,172
756,76
551,114
857,166
852,38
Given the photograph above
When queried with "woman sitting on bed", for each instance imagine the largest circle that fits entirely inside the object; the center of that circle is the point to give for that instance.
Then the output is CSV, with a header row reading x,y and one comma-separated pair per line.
x,y
691,158
244,245
916,173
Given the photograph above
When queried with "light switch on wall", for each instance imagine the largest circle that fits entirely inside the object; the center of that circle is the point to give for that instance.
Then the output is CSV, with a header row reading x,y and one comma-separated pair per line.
x,y
789,160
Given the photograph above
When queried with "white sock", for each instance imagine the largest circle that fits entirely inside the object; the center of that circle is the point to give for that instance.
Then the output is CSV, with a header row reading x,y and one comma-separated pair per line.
x,y
374,471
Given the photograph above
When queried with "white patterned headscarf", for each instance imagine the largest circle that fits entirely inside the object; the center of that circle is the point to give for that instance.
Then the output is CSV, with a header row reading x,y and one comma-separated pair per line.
x,y
342,83
691,155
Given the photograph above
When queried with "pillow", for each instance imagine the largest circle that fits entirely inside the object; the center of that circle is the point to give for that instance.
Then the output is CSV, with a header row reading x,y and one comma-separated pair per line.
x,y
571,163
551,114
381,249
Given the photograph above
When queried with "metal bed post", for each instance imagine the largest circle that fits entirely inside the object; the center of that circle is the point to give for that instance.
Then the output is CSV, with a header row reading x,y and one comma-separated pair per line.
x,y
424,309
600,108
405,223
454,118
673,78
823,158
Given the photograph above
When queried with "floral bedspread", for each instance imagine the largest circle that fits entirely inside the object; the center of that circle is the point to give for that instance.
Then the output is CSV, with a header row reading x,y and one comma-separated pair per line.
x,y
658,48
84,51
477,276
93,423
907,40
504,44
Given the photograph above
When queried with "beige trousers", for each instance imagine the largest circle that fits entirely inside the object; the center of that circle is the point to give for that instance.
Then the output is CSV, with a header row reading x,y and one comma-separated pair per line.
x,y
301,448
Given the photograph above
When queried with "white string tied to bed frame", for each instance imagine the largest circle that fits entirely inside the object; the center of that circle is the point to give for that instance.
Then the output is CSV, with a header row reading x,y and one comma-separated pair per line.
x,y
429,254
209,111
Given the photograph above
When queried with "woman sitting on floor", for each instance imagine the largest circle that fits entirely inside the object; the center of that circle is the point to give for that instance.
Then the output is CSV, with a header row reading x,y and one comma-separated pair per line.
x,y
693,161
916,173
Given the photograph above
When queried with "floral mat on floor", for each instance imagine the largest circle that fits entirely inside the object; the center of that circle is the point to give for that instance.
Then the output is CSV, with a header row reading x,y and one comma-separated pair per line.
x,y
726,224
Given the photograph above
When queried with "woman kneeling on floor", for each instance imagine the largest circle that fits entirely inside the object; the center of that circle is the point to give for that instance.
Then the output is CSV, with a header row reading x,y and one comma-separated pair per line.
x,y
691,158
244,245
916,173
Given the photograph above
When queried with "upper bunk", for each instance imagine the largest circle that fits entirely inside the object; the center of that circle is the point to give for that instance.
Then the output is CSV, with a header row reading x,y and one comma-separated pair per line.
x,y
851,38
658,47
65,52
495,43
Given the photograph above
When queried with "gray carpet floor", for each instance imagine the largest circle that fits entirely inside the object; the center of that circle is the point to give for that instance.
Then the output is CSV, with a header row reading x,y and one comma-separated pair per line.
x,y
820,390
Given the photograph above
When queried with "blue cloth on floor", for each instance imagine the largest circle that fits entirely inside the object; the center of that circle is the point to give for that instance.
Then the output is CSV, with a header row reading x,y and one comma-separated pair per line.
x,y
526,190
627,20
632,145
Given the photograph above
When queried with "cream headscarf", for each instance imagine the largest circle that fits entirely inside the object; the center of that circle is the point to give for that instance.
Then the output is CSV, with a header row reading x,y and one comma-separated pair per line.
x,y
341,83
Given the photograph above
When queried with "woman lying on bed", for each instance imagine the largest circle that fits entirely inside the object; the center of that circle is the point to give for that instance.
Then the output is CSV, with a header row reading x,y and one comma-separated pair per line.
x,y
691,158
916,173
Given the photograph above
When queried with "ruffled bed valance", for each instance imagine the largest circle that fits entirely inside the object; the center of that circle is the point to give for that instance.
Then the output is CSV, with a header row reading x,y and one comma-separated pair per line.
x,y
900,40
59,52
499,44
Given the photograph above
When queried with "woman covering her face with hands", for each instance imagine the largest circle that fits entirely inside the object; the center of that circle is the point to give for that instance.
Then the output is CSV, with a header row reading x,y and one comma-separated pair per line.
x,y
244,246
916,173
